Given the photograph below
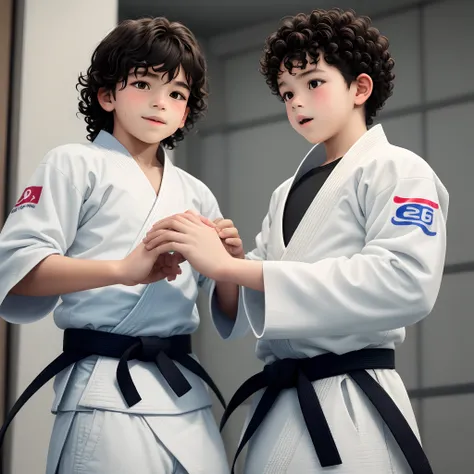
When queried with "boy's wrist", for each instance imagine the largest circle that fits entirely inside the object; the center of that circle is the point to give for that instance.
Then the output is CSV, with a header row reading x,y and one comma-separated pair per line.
x,y
228,271
116,270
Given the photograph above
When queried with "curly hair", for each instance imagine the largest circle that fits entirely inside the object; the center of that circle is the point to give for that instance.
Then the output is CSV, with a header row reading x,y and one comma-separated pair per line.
x,y
136,45
348,42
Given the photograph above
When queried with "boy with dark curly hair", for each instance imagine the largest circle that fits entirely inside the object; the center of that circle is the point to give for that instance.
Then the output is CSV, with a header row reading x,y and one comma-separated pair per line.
x,y
130,397
350,253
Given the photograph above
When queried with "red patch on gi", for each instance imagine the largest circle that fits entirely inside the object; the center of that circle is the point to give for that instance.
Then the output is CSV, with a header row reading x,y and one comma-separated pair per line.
x,y
31,195
401,200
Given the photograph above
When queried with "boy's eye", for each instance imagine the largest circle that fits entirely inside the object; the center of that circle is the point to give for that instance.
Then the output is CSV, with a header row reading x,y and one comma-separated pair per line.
x,y
142,85
314,83
287,96
177,95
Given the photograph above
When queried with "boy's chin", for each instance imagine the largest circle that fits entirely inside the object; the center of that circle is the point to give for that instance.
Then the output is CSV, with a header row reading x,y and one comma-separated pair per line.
x,y
313,141
313,138
148,139
154,138
318,136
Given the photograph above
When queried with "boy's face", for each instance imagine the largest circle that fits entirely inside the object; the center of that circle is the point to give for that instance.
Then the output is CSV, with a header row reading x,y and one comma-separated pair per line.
x,y
149,107
318,101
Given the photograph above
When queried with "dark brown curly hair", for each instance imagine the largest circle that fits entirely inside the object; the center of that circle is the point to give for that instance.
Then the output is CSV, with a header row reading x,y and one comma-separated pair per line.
x,y
348,42
136,45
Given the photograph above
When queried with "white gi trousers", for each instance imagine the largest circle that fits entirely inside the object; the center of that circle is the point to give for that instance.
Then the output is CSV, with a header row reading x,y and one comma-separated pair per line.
x,y
107,442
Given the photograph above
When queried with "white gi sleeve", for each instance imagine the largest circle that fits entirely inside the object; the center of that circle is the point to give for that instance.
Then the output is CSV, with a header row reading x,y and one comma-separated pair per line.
x,y
393,282
43,222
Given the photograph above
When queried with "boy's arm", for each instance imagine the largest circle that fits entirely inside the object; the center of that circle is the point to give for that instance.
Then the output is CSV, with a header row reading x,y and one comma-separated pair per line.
x,y
248,274
227,298
232,321
58,275
393,282
227,293
224,296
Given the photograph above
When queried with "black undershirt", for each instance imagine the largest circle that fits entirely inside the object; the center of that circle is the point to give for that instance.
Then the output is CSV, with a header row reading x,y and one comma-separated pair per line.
x,y
302,195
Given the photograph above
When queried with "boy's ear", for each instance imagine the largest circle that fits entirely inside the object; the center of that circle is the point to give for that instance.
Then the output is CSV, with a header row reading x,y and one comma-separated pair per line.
x,y
106,99
364,86
185,116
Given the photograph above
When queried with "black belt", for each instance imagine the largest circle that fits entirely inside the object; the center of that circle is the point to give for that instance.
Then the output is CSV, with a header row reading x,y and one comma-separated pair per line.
x,y
299,373
164,352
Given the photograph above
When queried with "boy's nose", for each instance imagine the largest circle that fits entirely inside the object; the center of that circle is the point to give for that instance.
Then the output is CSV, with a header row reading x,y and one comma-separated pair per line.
x,y
159,102
296,102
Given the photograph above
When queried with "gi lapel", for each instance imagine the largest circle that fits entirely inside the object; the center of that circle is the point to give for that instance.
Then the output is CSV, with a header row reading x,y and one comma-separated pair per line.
x,y
152,207
276,244
320,209
170,199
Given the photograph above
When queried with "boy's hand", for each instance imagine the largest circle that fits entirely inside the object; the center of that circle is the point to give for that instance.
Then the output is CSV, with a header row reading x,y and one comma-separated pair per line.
x,y
230,237
226,230
143,266
166,266
197,241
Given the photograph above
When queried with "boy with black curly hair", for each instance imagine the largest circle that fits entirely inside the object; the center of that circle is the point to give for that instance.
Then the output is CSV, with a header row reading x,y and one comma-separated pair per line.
x,y
130,397
350,253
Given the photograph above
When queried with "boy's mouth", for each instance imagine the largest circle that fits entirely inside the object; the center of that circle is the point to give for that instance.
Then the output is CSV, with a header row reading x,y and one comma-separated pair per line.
x,y
303,120
155,120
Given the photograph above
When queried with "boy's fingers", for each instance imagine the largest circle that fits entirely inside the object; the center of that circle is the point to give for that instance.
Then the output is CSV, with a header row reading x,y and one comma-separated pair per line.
x,y
224,224
229,232
207,221
233,242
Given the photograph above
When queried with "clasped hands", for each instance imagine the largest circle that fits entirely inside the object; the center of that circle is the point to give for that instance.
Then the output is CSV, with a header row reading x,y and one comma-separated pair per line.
x,y
207,245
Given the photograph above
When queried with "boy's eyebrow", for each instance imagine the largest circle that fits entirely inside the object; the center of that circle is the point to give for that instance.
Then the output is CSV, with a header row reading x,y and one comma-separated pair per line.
x,y
182,84
301,74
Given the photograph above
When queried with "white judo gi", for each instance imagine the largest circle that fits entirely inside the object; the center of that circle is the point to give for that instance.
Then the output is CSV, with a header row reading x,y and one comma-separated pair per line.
x,y
93,202
365,262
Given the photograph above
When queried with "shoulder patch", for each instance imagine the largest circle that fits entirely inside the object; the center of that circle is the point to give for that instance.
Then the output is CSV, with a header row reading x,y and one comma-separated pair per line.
x,y
29,198
415,211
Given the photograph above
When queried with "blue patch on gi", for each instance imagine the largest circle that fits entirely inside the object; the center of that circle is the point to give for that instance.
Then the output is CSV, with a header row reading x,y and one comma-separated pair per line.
x,y
415,211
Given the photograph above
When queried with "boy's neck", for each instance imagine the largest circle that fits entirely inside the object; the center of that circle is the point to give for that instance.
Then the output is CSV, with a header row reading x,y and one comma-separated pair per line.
x,y
338,145
144,153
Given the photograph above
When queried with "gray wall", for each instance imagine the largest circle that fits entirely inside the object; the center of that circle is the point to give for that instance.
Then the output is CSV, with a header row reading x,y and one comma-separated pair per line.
x,y
246,148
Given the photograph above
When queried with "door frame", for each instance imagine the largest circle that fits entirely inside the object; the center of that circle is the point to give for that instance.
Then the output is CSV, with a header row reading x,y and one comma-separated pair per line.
x,y
6,43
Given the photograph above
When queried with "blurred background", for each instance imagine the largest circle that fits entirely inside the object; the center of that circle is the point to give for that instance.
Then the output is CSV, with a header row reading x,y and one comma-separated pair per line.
x,y
242,150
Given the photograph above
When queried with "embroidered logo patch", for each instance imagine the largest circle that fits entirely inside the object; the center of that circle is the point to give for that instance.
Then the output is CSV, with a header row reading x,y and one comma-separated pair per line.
x,y
415,211
29,198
